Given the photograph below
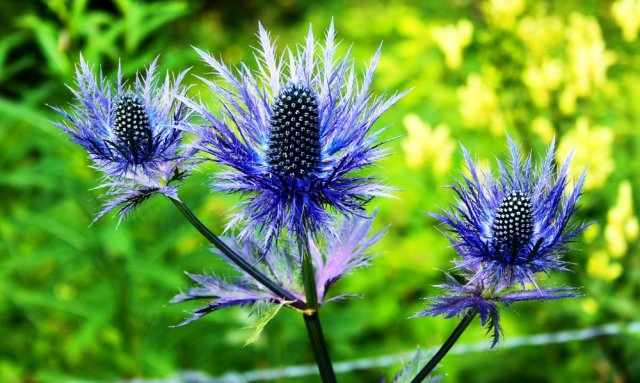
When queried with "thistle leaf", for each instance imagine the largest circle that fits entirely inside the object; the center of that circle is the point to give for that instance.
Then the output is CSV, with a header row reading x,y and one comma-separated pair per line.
x,y
411,369
265,313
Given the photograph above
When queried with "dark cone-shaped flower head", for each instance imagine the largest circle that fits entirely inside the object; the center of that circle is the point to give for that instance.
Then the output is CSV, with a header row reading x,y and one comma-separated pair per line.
x,y
132,129
132,134
292,136
294,139
512,226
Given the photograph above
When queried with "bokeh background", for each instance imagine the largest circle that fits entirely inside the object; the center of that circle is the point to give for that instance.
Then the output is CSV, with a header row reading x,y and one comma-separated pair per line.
x,y
81,302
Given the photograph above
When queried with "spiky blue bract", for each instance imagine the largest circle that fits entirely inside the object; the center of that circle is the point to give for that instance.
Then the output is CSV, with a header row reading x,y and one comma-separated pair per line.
x,y
484,297
331,260
133,134
470,222
300,201
508,229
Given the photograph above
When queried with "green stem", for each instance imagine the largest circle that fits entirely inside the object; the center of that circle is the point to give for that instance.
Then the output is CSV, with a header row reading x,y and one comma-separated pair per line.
x,y
235,258
311,315
308,274
426,370
314,331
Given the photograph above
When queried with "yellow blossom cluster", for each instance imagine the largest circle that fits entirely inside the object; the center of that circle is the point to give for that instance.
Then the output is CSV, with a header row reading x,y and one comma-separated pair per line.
x,y
426,144
600,266
452,39
541,33
479,105
626,13
591,147
622,224
564,60
542,79
622,228
599,263
544,128
503,13
568,57
588,58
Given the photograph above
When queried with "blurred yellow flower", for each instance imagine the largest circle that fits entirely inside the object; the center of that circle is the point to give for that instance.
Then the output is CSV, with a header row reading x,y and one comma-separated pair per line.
x,y
590,306
626,13
452,39
588,58
592,149
479,105
542,79
591,233
543,127
425,144
599,266
503,13
540,34
622,224
567,101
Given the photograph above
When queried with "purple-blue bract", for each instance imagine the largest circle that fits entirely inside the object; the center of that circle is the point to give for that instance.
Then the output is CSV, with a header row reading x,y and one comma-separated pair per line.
x,y
133,134
507,229
332,260
281,191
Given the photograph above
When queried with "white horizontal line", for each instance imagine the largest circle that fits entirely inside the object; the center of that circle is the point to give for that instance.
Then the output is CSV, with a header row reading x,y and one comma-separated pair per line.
x,y
396,359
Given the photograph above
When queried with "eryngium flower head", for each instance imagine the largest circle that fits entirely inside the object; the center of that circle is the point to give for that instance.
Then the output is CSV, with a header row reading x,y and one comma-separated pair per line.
x,y
292,135
515,225
132,134
331,261
507,230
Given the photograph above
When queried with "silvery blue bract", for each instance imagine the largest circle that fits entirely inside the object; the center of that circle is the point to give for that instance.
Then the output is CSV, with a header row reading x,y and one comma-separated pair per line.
x,y
133,134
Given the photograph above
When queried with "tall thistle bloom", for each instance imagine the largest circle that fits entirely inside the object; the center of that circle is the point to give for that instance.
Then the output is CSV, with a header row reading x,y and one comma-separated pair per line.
x,y
133,134
332,260
292,135
508,230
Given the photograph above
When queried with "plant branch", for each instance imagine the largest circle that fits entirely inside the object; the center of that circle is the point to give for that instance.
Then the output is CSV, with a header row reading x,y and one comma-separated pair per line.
x,y
311,316
457,332
236,258
316,337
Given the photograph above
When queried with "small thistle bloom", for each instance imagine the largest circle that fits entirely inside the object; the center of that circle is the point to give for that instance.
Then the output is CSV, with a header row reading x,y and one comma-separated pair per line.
x,y
516,225
332,261
507,230
292,135
133,134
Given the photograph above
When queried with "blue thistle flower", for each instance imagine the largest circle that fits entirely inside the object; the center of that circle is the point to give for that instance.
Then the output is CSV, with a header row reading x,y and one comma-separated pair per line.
x,y
517,225
292,135
331,261
507,230
133,134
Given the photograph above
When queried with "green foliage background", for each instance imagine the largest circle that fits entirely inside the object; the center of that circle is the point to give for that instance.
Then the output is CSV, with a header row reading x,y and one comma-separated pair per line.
x,y
89,302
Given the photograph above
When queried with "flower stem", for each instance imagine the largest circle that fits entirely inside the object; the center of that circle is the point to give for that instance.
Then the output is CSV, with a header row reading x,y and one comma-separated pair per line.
x,y
457,332
235,257
314,330
311,315
308,274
